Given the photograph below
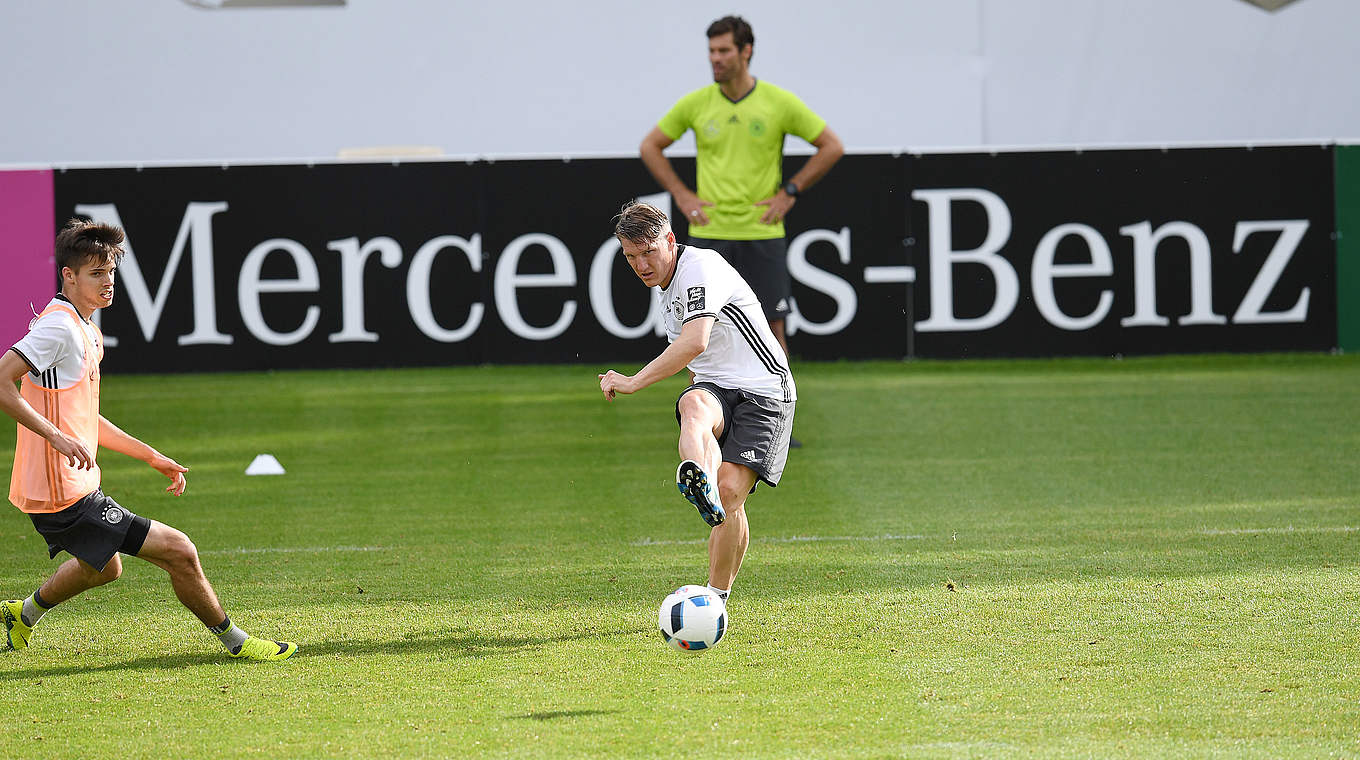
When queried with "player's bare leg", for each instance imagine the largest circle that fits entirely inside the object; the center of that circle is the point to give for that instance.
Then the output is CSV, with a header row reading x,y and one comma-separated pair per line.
x,y
727,542
701,423
72,577
173,552
165,547
777,327
75,576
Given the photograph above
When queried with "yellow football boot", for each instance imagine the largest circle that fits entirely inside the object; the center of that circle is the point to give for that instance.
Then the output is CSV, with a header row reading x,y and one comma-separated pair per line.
x,y
264,650
16,630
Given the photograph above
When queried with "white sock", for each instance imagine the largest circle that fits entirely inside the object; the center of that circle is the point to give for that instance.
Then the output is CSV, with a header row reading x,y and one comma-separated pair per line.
x,y
713,488
721,592
231,637
33,611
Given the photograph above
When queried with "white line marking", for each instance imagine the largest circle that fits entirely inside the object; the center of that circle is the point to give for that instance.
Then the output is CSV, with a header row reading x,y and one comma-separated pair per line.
x,y
297,550
779,539
960,745
1285,529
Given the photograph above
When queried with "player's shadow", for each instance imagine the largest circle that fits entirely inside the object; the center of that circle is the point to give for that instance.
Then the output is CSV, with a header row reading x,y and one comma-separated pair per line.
x,y
170,662
558,714
460,642
464,642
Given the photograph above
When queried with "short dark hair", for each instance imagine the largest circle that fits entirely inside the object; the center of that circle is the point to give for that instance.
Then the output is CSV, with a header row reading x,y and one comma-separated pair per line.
x,y
82,241
741,32
639,222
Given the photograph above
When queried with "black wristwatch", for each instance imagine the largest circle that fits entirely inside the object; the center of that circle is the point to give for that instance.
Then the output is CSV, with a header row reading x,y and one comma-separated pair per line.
x,y
791,189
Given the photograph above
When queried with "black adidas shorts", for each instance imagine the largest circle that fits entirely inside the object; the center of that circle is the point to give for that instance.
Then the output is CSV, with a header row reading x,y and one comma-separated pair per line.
x,y
93,529
764,264
756,429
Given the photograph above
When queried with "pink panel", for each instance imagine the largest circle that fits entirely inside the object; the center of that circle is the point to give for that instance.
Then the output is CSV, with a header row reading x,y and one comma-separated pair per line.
x,y
27,228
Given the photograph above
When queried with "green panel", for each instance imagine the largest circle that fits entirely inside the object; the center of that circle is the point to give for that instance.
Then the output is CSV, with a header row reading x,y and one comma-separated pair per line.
x,y
1348,247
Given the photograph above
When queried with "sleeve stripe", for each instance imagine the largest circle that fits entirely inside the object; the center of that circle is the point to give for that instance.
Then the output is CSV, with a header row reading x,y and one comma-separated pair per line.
x,y
16,350
696,316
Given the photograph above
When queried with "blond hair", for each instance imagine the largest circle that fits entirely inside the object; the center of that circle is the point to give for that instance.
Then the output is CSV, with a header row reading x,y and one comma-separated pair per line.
x,y
639,222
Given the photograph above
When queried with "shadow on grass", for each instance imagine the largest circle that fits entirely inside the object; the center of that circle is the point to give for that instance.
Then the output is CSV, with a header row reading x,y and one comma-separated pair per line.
x,y
556,714
142,663
462,643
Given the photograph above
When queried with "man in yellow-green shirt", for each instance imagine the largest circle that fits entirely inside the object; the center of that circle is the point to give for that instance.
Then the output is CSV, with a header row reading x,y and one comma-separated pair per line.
x,y
739,126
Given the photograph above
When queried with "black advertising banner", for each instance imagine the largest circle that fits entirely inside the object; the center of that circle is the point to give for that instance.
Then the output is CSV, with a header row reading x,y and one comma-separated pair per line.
x,y
1124,252
360,265
259,267
560,288
847,239
433,263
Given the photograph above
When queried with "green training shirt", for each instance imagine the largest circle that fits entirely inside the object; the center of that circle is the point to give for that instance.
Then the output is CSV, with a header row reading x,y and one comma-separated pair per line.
x,y
740,153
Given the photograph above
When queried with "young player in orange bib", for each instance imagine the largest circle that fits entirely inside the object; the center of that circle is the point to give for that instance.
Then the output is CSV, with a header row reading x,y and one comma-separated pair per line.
x,y
56,479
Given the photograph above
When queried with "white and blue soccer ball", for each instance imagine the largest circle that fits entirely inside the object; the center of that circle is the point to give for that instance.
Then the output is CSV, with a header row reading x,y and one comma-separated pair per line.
x,y
692,618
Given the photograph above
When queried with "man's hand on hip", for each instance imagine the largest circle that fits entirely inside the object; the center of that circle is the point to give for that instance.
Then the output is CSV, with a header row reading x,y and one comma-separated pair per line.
x,y
693,208
779,205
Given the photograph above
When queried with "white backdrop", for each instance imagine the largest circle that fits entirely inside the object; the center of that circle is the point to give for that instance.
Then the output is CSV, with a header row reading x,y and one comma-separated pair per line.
x,y
147,80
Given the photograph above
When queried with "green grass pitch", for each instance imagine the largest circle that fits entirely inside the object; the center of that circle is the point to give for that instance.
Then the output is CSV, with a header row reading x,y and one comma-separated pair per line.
x,y
1071,558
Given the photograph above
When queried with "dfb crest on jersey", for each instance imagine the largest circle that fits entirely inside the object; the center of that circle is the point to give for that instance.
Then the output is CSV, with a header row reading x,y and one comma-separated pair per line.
x,y
696,299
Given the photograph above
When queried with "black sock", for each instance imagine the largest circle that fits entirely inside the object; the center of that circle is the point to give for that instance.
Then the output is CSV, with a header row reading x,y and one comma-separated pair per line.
x,y
222,627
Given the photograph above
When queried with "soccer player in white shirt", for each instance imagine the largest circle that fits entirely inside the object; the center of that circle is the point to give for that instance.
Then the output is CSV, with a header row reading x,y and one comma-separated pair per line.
x,y
737,413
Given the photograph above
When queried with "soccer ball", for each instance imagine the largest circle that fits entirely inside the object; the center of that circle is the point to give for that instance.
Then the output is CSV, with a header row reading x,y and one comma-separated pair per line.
x,y
692,618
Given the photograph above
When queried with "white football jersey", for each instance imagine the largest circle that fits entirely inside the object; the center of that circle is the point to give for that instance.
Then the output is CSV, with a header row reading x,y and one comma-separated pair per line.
x,y
53,348
742,352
